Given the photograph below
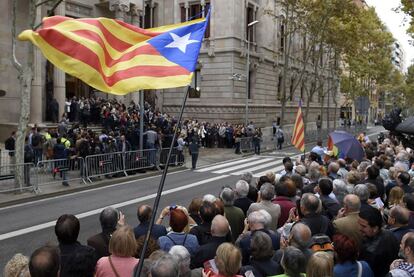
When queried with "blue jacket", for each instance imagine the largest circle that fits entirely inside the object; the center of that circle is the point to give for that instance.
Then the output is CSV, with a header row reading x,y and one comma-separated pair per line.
x,y
60,152
187,240
157,230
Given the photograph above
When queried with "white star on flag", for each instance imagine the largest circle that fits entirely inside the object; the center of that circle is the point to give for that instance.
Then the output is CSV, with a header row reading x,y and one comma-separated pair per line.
x,y
181,42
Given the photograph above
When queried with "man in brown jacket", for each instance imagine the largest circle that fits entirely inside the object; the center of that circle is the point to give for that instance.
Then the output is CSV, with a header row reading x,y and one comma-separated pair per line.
x,y
347,220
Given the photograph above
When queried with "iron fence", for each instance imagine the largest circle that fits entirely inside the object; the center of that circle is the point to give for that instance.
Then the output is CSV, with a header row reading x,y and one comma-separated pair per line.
x,y
63,171
7,157
8,181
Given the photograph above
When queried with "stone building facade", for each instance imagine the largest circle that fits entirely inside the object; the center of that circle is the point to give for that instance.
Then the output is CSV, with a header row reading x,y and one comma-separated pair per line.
x,y
218,91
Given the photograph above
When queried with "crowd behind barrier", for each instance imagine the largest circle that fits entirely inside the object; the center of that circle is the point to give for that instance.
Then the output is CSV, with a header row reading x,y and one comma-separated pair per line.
x,y
322,216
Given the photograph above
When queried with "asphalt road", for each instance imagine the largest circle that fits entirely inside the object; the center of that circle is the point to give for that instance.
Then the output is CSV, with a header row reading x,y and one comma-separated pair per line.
x,y
25,227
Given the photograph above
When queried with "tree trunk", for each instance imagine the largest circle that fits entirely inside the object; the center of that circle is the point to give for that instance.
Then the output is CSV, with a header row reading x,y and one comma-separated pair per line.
x,y
26,87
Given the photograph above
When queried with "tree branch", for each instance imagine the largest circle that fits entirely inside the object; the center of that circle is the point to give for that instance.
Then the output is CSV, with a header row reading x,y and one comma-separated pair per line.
x,y
15,62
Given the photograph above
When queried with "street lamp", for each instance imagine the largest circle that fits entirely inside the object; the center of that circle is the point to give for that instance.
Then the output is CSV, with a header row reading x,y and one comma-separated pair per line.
x,y
251,24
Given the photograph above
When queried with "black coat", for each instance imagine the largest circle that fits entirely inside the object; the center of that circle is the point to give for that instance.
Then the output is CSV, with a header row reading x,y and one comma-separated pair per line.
x,y
100,242
243,203
318,224
206,252
202,232
379,252
263,268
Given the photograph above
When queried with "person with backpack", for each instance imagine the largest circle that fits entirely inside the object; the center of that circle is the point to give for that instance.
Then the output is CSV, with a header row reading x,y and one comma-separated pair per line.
x,y
10,145
37,144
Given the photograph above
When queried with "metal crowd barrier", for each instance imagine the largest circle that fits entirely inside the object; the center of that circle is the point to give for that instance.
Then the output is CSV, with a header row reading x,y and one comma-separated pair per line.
x,y
7,157
177,157
61,170
136,160
8,181
246,144
107,164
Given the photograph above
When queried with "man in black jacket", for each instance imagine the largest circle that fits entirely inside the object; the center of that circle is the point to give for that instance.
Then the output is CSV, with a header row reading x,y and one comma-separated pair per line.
x,y
67,230
207,212
317,223
329,205
219,230
379,247
100,242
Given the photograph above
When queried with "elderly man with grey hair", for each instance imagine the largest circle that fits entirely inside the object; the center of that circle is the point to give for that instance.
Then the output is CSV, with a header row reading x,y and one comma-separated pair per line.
x,y
242,201
183,258
247,176
266,194
166,266
219,231
314,175
346,221
310,207
299,236
256,221
362,192
100,242
234,215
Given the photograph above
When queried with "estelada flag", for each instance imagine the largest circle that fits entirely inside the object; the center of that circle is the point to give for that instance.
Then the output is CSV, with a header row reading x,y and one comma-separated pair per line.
x,y
118,58
298,136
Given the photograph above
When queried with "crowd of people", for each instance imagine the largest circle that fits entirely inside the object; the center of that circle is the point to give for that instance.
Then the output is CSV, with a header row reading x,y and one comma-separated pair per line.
x,y
121,132
322,216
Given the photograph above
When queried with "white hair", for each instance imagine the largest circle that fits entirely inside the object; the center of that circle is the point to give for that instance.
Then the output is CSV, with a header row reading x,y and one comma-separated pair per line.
x,y
242,188
209,198
182,257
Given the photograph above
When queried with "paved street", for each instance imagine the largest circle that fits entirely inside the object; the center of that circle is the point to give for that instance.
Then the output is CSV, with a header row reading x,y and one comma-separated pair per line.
x,y
29,225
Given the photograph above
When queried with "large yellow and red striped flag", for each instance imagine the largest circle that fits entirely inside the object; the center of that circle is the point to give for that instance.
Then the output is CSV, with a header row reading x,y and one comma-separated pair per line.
x,y
118,58
298,136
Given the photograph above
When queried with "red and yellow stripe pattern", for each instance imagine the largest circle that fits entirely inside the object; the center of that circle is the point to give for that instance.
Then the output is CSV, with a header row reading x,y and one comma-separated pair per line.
x,y
108,54
298,136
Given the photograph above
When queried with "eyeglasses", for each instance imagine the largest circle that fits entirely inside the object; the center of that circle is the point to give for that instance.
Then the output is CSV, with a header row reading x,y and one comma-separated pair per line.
x,y
173,207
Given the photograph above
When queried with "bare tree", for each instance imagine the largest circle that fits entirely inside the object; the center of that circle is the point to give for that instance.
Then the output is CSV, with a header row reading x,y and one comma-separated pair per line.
x,y
25,76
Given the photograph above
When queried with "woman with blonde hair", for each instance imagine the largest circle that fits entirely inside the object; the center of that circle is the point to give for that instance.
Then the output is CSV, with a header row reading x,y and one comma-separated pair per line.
x,y
396,197
18,266
121,262
320,264
228,261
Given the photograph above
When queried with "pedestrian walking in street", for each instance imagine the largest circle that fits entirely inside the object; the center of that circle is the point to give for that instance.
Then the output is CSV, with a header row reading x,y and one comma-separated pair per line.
x,y
193,148
280,138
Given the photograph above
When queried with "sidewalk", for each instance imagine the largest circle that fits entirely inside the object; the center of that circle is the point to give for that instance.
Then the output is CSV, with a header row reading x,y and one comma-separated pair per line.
x,y
207,156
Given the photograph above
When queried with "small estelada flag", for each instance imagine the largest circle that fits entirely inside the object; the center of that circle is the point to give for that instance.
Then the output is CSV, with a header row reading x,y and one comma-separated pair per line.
x,y
298,136
115,57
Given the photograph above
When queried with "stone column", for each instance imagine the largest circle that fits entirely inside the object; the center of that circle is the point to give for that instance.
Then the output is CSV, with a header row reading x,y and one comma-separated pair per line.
x,y
120,7
36,98
59,77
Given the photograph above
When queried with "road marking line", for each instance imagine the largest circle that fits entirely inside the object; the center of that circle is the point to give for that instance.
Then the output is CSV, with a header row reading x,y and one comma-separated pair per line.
x,y
87,190
242,166
257,167
275,171
225,164
97,211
